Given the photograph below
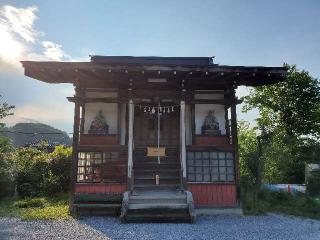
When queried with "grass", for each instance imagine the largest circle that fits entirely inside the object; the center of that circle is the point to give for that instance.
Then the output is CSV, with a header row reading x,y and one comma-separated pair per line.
x,y
57,207
281,202
36,208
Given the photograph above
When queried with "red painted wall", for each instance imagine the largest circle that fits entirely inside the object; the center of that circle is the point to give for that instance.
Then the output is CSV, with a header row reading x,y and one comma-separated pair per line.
x,y
101,187
204,194
90,139
219,141
213,194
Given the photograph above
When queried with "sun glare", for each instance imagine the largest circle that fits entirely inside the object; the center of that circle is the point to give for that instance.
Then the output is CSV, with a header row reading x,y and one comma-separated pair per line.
x,y
10,49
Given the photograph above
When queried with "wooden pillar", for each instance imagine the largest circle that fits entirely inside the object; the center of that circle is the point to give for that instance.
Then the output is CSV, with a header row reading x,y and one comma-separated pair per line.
x,y
74,161
83,113
226,119
130,144
183,142
119,117
234,132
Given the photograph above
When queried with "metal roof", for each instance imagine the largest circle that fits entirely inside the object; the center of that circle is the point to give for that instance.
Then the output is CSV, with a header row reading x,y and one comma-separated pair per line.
x,y
165,61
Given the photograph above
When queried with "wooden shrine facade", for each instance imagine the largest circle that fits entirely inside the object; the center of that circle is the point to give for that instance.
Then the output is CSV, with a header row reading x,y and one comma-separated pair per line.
x,y
184,105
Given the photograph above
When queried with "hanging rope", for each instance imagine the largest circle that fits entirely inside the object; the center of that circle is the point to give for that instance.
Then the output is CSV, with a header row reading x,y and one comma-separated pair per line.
x,y
157,109
158,132
160,110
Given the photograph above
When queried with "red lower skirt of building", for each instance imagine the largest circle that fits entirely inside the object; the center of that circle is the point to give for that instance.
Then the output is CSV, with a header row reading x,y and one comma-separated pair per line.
x,y
213,194
204,194
101,187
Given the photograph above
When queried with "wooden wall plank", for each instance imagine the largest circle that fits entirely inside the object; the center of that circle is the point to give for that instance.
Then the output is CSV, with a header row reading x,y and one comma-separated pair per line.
x,y
101,188
213,194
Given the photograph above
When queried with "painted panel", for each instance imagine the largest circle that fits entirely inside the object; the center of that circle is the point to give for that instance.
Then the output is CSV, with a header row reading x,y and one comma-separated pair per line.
x,y
109,111
201,111
100,188
211,194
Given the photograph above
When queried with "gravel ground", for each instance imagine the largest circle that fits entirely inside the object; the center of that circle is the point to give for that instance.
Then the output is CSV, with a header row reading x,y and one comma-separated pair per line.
x,y
219,227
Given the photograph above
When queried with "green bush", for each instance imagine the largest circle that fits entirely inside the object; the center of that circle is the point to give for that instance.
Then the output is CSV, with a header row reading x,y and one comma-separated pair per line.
x,y
7,180
313,184
60,166
26,190
41,173
32,202
7,184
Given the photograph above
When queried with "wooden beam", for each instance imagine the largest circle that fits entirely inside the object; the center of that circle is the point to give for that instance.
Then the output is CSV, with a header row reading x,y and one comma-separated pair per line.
x,y
234,132
119,116
75,142
91,100
217,101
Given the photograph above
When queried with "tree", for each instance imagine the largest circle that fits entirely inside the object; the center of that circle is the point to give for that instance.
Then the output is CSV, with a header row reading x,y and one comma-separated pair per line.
x,y
5,109
289,118
293,105
6,173
247,139
250,164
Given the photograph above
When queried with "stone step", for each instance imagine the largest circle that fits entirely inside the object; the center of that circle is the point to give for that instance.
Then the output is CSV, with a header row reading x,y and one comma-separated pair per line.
x,y
158,199
155,159
158,205
174,181
158,195
162,217
160,171
143,165
153,187
162,176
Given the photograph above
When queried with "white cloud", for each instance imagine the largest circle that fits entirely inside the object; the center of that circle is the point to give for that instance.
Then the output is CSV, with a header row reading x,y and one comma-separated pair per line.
x,y
20,21
54,51
10,49
19,40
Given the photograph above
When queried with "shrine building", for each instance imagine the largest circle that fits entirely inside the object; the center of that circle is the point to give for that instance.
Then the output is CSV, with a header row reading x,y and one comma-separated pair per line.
x,y
154,137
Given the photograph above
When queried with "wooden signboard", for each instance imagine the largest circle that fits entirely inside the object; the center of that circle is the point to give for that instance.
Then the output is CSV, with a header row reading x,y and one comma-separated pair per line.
x,y
154,151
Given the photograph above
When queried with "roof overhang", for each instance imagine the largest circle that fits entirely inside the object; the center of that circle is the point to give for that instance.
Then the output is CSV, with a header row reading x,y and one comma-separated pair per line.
x,y
198,73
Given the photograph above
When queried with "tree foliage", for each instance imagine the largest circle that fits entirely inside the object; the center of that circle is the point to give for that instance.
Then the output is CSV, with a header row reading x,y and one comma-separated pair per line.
x,y
292,105
247,139
288,123
35,172
5,110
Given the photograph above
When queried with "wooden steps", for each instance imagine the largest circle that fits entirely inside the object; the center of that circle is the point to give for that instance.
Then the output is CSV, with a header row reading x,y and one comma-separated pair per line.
x,y
97,203
146,168
150,201
157,205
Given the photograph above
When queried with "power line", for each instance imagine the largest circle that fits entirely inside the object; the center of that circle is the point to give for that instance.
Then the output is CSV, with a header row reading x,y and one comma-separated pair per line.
x,y
32,133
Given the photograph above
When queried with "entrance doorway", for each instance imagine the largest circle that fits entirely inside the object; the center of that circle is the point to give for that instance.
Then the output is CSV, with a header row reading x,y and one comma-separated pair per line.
x,y
153,130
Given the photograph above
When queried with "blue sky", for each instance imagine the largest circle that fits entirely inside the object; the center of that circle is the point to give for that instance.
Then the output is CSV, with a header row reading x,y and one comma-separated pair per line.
x,y
265,33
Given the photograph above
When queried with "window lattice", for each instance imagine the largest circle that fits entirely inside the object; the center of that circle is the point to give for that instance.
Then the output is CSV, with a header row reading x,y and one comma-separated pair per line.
x,y
90,165
210,166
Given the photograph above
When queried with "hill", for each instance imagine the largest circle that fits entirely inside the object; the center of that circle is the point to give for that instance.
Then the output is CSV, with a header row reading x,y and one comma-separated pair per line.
x,y
20,137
